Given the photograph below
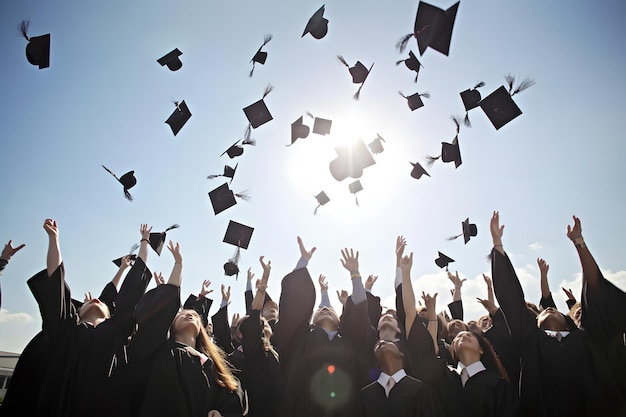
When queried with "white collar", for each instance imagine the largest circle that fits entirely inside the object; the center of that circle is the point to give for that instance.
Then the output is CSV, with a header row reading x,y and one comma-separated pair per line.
x,y
383,378
553,333
472,368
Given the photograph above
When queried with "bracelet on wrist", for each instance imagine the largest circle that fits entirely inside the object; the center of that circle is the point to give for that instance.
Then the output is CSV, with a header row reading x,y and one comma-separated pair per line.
x,y
579,242
498,246
355,275
145,240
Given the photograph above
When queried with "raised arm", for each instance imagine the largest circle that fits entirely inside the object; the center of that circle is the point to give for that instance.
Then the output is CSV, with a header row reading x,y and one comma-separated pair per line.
x,y
350,262
546,295
456,306
323,291
145,241
259,297
7,253
177,270
54,259
408,295
489,283
431,304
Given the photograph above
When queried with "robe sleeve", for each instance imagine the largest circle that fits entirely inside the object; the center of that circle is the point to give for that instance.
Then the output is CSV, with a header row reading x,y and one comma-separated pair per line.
x,y
251,331
109,296
248,297
221,330
456,309
546,302
374,309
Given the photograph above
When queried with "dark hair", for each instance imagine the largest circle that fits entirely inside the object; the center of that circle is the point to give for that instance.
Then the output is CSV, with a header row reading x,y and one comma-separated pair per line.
x,y
489,358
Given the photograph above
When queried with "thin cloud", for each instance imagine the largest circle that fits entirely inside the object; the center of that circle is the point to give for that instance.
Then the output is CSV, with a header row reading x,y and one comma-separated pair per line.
x,y
536,246
7,317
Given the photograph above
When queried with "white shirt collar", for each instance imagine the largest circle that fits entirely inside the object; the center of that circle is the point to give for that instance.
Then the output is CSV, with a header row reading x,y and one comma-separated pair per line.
x,y
331,333
472,368
383,378
553,333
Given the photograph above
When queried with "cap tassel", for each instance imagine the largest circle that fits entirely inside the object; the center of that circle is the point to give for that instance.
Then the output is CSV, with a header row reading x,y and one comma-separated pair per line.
x,y
24,29
243,195
417,73
174,226
210,177
402,43
310,115
466,120
252,70
356,200
357,95
454,237
402,94
430,160
510,79
315,211
110,172
342,60
267,39
247,135
268,90
457,123
249,141
526,83
425,95
480,84
127,194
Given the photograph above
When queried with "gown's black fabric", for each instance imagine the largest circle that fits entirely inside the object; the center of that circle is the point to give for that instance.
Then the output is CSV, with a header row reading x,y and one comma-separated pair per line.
x,y
408,398
161,377
499,337
200,305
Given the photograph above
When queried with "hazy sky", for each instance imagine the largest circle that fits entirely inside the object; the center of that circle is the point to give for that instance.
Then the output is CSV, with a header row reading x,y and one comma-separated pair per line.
x,y
104,100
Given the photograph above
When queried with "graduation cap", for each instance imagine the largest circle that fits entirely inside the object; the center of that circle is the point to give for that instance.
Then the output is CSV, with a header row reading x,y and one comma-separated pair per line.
x,y
223,198
38,48
237,149
471,98
127,180
442,261
322,199
414,101
351,161
499,105
258,113
239,235
469,231
299,130
321,126
450,152
260,56
317,25
229,172
157,240
179,117
172,60
418,171
433,28
355,187
131,253
411,63
359,74
376,145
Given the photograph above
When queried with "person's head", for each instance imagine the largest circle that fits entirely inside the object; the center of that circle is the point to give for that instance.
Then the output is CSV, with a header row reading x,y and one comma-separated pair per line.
x,y
473,325
551,319
388,328
470,346
93,311
209,329
187,323
388,356
270,311
484,322
454,327
575,313
327,318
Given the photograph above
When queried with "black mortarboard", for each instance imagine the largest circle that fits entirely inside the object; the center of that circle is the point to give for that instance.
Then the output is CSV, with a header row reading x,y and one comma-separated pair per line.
x,y
238,234
469,230
471,98
223,198
418,171
179,117
127,180
257,113
355,187
172,60
450,152
442,261
322,199
131,253
433,28
359,73
229,172
376,145
351,160
260,56
499,105
236,149
412,63
38,48
317,25
322,126
157,240
299,130
414,101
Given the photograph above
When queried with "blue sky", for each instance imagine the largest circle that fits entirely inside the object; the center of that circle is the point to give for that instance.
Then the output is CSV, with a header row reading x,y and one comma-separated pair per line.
x,y
104,100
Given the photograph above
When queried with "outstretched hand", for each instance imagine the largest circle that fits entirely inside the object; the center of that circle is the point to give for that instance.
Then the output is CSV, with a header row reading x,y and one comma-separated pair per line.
x,y
574,231
342,296
303,252
406,263
267,266
204,290
9,250
175,249
158,278
145,231
496,230
323,283
350,261
458,282
225,294
569,293
51,228
250,275
487,281
543,266
400,245
489,306
369,283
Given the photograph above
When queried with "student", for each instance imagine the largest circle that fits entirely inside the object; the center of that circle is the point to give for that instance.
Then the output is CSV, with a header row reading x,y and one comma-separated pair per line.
x,y
5,257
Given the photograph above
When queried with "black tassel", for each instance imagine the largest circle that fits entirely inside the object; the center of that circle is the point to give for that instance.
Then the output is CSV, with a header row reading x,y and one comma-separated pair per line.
x,y
23,28
526,83
466,121
310,115
457,122
454,237
415,80
210,177
243,195
127,195
400,62
356,200
266,40
249,141
425,95
400,92
480,84
510,80
248,133
430,160
343,61
174,226
268,90
401,45
315,211
252,70
357,95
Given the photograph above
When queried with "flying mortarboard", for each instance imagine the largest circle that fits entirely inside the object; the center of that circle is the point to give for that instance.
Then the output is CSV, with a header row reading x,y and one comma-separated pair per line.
x,y
355,187
414,101
260,56
239,235
317,25
157,240
223,198
433,28
236,149
322,199
359,74
299,130
179,117
351,161
499,105
376,145
172,60
320,126
38,48
229,172
412,63
471,98
469,230
418,171
450,152
131,253
127,180
442,261
258,113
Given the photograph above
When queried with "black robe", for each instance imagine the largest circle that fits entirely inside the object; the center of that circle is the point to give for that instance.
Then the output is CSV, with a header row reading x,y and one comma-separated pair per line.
x,y
408,398
200,305
500,338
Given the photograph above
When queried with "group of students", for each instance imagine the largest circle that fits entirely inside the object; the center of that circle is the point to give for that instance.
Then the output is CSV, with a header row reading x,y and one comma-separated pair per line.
x,y
133,353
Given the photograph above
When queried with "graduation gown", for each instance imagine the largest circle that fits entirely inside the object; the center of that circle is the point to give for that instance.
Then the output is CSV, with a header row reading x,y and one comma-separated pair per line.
x,y
499,337
408,398
200,305
82,354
